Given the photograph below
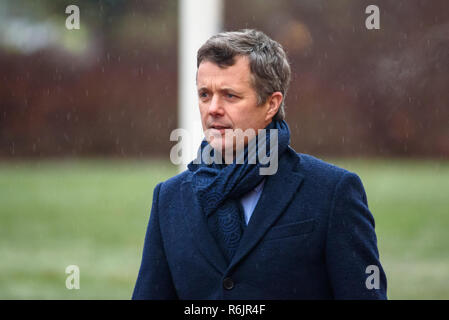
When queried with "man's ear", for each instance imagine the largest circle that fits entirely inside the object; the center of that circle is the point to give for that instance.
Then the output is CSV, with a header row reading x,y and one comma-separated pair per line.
x,y
274,102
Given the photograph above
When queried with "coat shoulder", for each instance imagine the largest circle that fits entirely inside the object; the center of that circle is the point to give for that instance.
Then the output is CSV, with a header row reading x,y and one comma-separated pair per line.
x,y
319,170
172,185
311,163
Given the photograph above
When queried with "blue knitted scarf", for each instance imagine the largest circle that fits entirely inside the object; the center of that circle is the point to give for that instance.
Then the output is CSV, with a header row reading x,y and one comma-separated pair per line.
x,y
219,187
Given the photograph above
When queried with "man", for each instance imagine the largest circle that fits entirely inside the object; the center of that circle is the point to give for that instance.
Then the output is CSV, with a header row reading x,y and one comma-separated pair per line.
x,y
225,231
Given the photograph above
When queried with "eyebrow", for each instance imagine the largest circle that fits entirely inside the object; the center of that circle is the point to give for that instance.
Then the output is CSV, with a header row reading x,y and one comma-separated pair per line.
x,y
224,89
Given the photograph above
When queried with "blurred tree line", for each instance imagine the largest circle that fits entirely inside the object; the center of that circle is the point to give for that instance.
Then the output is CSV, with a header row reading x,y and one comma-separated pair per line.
x,y
111,87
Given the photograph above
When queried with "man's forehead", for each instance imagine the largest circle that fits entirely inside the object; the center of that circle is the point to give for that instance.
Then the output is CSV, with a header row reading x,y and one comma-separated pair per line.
x,y
236,75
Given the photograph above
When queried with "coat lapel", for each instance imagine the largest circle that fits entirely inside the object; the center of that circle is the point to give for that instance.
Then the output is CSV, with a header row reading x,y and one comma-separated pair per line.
x,y
196,221
278,191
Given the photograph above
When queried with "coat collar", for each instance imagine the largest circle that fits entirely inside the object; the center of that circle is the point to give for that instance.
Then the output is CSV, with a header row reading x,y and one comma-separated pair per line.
x,y
272,203
196,221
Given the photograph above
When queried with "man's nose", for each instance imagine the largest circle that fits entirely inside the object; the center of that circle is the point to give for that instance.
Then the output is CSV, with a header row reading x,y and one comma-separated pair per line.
x,y
216,106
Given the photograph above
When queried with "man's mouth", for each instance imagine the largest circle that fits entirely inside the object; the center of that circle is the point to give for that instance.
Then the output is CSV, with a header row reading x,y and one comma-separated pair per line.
x,y
220,128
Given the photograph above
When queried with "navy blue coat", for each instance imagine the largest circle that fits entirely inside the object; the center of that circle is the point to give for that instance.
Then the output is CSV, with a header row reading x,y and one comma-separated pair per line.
x,y
311,236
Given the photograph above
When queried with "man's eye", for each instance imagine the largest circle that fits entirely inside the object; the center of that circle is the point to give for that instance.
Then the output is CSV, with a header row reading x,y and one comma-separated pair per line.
x,y
230,95
203,94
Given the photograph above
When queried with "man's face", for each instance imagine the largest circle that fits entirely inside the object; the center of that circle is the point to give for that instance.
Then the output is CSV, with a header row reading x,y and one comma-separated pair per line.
x,y
227,100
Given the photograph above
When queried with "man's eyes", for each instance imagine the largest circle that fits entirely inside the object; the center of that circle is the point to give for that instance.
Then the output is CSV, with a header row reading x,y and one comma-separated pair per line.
x,y
227,95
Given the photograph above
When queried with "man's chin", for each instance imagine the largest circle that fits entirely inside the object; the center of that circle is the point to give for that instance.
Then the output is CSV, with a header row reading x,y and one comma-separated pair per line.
x,y
222,149
229,154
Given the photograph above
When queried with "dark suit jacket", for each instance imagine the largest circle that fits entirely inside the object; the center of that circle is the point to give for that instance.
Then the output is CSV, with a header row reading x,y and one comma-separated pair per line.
x,y
311,236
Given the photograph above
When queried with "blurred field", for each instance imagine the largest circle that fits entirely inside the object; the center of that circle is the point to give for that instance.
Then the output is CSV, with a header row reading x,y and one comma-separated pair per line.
x,y
94,214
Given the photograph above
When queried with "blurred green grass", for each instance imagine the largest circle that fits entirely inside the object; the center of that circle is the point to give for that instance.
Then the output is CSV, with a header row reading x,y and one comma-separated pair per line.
x,y
89,213
93,213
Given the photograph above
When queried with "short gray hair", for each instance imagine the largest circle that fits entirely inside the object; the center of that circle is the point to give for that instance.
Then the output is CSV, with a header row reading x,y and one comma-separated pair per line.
x,y
268,62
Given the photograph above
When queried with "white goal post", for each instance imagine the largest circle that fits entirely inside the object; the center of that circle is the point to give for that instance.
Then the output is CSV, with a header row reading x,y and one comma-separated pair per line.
x,y
198,20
